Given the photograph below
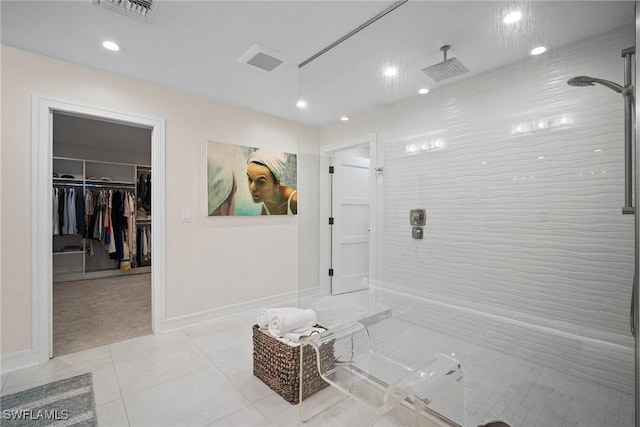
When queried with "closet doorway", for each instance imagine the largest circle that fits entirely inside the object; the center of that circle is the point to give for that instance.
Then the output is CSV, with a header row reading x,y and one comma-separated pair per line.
x,y
43,110
101,229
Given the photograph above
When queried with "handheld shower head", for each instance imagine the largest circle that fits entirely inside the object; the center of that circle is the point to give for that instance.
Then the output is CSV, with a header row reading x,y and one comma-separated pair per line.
x,y
591,81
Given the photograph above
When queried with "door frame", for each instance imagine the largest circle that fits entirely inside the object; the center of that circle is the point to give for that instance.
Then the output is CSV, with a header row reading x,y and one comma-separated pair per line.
x,y
375,188
41,220
636,305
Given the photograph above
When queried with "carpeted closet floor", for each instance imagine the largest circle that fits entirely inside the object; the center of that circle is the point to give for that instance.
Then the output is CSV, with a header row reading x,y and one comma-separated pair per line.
x,y
97,312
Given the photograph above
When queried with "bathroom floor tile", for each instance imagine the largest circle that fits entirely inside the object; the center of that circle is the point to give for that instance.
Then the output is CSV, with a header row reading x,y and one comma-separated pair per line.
x,y
240,373
143,363
193,400
245,417
112,414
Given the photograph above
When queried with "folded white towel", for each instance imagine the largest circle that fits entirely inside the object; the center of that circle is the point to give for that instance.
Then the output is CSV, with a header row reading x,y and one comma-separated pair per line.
x,y
266,314
289,321
304,332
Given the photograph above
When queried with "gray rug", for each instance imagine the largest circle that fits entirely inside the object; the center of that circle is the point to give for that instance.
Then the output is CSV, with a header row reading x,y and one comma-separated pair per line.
x,y
67,402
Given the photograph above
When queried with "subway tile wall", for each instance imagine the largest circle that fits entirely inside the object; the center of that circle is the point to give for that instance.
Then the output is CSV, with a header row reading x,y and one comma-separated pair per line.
x,y
525,247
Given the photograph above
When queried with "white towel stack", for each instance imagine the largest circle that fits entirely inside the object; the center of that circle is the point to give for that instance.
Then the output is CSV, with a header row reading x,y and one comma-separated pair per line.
x,y
282,323
288,323
266,314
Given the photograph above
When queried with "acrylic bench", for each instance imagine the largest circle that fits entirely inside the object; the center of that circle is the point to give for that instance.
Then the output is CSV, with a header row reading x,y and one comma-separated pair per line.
x,y
430,395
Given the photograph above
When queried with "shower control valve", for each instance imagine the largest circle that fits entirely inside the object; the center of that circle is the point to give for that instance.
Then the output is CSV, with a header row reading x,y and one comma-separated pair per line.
x,y
417,217
417,233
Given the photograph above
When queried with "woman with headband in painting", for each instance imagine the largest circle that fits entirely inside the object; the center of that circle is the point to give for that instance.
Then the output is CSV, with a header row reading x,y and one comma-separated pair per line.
x,y
265,171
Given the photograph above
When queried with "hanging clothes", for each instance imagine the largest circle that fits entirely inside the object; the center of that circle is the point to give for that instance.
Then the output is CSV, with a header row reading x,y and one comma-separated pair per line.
x,y
142,186
72,227
147,195
143,248
117,214
130,218
65,212
109,241
98,215
81,221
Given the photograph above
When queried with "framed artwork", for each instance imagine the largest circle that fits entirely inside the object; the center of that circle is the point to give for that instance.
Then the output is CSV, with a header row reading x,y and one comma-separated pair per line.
x,y
247,181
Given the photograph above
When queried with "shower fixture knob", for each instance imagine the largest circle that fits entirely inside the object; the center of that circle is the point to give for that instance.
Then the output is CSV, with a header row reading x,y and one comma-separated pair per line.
x,y
417,217
417,233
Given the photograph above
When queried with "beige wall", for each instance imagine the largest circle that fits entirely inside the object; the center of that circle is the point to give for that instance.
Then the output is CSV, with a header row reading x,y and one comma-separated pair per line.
x,y
210,262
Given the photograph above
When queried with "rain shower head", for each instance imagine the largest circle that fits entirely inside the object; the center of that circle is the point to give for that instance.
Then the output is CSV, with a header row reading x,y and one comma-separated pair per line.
x,y
591,81
446,69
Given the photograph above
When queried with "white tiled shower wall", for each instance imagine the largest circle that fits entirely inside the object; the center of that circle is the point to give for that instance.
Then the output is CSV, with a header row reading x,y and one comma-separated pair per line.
x,y
525,248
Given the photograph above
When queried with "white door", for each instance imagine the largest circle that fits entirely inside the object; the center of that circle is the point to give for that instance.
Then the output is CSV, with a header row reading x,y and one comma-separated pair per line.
x,y
350,230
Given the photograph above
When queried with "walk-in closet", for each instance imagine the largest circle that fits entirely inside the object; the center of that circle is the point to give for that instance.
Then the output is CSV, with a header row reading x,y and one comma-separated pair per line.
x,y
102,219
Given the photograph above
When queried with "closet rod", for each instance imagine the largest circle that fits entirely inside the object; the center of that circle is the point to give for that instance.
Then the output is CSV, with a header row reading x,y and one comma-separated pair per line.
x,y
99,161
68,184
113,185
105,186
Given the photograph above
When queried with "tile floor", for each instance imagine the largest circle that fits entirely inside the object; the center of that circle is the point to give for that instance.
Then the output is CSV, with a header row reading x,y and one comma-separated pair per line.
x,y
499,386
202,376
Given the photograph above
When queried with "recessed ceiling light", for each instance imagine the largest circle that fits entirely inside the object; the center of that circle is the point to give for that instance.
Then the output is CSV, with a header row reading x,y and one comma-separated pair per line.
x,y
538,50
540,157
344,118
512,17
301,104
423,91
109,45
390,71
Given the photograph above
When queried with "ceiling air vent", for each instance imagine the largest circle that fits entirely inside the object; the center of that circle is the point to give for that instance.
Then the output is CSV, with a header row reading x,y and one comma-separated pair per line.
x,y
140,9
262,57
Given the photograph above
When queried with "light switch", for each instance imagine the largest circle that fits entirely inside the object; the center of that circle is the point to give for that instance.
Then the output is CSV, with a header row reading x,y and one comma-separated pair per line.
x,y
186,215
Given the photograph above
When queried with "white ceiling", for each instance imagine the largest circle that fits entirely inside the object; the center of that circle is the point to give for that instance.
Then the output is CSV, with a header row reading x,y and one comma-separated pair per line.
x,y
194,46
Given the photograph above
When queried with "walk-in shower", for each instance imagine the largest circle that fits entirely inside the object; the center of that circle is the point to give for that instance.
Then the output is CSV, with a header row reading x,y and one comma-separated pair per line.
x,y
526,264
627,91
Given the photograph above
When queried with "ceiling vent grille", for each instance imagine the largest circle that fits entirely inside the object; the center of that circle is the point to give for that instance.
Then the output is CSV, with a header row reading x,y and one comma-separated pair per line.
x,y
140,9
263,58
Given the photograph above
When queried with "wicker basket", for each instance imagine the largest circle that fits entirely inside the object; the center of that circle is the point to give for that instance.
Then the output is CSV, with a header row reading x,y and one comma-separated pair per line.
x,y
278,364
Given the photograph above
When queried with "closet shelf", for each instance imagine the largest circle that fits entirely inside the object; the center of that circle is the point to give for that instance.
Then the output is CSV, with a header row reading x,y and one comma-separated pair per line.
x,y
68,252
76,181
107,183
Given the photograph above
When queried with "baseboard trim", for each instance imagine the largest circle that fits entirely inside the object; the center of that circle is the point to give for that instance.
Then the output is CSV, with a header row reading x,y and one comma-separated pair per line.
x,y
188,320
19,360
